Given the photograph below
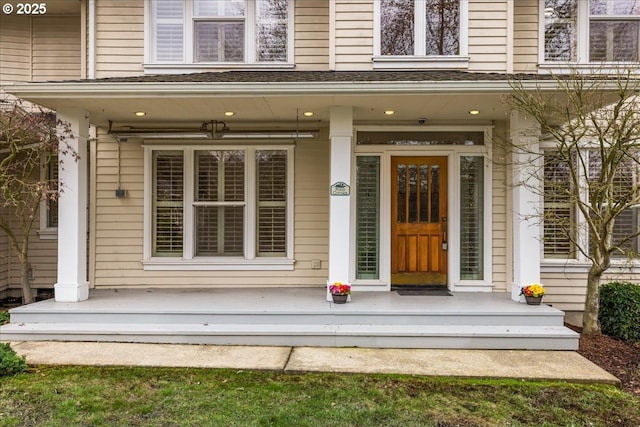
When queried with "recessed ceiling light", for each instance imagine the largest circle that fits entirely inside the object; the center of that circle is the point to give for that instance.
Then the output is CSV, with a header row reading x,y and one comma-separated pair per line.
x,y
308,113
140,113
474,112
389,112
229,113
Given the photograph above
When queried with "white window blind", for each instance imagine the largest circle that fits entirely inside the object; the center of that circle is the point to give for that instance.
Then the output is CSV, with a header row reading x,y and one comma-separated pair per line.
x,y
559,216
169,29
271,183
625,187
368,217
471,218
168,199
51,175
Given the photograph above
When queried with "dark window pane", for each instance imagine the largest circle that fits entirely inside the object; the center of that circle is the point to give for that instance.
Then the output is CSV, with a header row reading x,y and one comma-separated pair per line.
x,y
443,27
396,27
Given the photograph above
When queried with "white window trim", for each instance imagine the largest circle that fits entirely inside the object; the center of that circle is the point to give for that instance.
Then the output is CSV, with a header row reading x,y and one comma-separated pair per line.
x,y
459,62
188,261
579,264
453,154
582,62
45,232
151,66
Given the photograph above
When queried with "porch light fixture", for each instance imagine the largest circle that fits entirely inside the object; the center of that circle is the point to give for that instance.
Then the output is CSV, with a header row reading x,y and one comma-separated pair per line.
x,y
229,113
308,113
389,112
474,112
140,113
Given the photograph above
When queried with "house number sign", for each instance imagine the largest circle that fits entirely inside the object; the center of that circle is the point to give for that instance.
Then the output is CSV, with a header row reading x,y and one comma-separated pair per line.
x,y
340,189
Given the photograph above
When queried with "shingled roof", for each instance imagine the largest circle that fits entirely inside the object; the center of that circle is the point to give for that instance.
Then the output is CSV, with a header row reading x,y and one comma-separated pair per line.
x,y
319,76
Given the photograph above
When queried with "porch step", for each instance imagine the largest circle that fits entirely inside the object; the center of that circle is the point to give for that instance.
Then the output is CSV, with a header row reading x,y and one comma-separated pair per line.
x,y
342,315
338,335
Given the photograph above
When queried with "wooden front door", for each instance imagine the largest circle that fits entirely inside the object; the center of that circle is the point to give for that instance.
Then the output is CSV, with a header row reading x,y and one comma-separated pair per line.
x,y
419,221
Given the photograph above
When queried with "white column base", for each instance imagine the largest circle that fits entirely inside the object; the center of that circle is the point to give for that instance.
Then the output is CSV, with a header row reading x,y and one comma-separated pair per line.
x,y
515,292
72,292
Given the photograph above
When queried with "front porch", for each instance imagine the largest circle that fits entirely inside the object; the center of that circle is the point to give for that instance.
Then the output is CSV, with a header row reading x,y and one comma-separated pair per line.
x,y
294,317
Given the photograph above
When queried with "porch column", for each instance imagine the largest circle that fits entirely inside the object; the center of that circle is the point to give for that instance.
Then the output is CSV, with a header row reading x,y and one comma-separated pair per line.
x,y
72,285
340,133
527,203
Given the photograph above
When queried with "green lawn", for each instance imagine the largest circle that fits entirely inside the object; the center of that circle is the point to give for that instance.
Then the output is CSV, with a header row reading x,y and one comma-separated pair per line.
x,y
100,396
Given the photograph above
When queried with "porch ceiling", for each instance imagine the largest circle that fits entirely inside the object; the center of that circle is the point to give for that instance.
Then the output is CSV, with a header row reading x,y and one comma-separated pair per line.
x,y
262,99
278,109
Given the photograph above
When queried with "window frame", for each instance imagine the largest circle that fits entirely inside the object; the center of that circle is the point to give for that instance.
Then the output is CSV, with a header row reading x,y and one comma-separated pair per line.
x,y
453,154
47,231
577,262
250,260
421,60
152,65
582,23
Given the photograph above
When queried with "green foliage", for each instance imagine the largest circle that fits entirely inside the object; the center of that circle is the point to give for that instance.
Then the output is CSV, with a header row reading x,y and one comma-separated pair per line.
x,y
4,317
620,310
10,362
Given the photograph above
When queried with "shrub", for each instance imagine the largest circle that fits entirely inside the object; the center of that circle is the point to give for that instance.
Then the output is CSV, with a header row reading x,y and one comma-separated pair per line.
x,y
620,310
4,317
10,362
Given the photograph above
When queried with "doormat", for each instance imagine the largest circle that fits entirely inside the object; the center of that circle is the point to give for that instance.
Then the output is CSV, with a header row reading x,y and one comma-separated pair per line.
x,y
434,291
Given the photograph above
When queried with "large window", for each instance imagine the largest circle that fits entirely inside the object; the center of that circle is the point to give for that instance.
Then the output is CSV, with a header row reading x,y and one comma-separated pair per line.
x,y
591,30
221,31
217,204
420,27
562,225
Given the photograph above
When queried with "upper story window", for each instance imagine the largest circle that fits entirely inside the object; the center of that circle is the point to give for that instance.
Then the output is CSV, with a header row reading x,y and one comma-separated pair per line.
x,y
221,31
582,31
421,30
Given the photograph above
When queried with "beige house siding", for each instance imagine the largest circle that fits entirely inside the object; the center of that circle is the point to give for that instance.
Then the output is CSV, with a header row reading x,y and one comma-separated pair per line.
x,y
119,225
311,37
525,37
567,291
15,52
119,38
488,36
353,34
39,48
56,48
499,222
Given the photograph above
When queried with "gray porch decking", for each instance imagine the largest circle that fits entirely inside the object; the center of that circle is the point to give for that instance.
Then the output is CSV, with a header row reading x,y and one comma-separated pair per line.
x,y
294,317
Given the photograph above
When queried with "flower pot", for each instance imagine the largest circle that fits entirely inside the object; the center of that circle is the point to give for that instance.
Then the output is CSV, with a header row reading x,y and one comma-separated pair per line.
x,y
339,299
533,300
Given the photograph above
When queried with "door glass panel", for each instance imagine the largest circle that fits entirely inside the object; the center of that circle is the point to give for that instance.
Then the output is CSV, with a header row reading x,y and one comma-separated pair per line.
x,y
413,193
424,193
402,193
471,218
435,193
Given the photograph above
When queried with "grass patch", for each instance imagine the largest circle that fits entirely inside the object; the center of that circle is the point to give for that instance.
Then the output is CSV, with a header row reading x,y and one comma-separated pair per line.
x,y
101,396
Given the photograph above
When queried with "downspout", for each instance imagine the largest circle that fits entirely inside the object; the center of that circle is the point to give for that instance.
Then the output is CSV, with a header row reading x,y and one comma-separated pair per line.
x,y
91,42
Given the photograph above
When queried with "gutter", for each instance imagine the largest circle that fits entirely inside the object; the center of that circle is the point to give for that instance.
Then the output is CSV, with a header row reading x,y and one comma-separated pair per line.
x,y
48,90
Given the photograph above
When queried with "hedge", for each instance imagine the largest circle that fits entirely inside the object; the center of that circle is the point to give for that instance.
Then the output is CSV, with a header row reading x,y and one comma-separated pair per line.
x,y
619,312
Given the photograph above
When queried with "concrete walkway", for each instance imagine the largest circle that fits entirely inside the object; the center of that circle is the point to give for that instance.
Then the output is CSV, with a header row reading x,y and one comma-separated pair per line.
x,y
520,364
